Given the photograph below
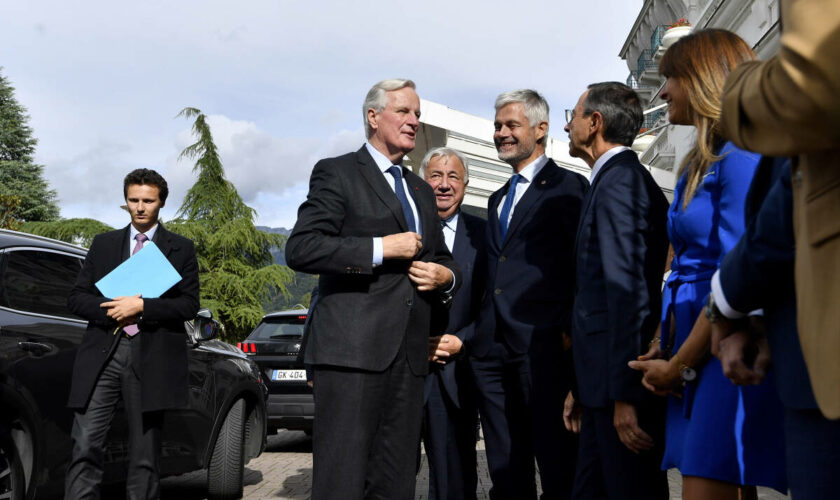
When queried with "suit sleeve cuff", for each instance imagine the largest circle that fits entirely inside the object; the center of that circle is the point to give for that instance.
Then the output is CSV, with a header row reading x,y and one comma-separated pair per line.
x,y
720,299
377,252
452,286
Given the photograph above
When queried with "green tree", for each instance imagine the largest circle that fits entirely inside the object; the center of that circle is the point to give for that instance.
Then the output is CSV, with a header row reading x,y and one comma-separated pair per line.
x,y
20,176
76,231
236,269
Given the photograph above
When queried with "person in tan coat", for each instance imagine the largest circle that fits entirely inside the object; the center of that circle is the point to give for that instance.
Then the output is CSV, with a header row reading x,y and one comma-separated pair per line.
x,y
789,106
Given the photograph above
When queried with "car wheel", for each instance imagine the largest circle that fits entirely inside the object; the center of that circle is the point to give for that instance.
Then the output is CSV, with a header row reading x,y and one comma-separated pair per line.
x,y
12,480
226,470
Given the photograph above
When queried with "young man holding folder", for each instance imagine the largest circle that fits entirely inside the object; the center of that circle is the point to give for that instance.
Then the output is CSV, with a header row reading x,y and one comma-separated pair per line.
x,y
134,348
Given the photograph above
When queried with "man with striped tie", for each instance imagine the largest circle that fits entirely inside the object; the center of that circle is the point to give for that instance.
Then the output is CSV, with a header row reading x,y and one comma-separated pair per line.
x,y
133,347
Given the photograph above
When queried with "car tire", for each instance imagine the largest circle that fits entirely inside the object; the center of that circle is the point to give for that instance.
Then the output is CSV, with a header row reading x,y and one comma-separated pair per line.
x,y
227,464
12,480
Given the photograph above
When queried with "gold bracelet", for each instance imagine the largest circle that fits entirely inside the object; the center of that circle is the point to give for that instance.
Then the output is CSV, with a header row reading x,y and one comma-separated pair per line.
x,y
655,339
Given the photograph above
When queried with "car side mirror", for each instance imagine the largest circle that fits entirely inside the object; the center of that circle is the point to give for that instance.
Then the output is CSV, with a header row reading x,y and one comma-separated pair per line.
x,y
203,327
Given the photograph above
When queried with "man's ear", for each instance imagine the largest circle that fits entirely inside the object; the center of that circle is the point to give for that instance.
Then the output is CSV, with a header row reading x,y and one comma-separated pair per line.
x,y
596,123
541,130
371,117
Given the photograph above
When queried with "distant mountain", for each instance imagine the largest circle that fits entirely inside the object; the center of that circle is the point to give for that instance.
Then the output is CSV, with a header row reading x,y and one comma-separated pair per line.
x,y
299,288
278,253
275,230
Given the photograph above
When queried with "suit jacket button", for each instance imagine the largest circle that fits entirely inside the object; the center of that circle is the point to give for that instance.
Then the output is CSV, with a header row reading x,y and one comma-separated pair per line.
x,y
104,350
408,302
502,258
498,291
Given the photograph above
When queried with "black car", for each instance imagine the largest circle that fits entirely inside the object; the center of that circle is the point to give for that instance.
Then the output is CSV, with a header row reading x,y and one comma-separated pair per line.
x,y
222,428
274,345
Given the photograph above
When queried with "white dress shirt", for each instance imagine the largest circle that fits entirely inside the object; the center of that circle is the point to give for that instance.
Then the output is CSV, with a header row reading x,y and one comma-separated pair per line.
x,y
384,164
449,227
132,242
528,174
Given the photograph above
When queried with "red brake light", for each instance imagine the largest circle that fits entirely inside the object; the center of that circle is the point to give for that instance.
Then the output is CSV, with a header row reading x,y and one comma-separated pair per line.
x,y
303,317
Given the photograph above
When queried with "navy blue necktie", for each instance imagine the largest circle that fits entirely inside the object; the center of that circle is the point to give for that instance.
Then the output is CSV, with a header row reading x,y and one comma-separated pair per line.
x,y
396,171
508,206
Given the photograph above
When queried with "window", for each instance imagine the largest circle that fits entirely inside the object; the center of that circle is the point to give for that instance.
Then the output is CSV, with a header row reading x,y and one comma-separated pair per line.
x,y
279,328
38,281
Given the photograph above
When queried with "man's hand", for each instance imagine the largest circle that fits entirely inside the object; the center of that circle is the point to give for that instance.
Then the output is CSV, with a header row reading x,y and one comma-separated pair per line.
x,y
442,347
571,414
401,245
736,352
627,426
659,376
721,329
123,309
429,276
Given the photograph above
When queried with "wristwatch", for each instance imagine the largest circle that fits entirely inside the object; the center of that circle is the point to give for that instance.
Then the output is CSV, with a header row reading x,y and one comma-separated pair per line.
x,y
711,310
687,373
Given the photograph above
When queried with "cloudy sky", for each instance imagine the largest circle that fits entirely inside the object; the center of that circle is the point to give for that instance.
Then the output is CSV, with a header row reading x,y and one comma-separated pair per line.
x,y
282,81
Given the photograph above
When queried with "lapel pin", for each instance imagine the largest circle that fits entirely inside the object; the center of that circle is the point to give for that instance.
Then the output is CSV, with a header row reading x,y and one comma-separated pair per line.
x,y
543,181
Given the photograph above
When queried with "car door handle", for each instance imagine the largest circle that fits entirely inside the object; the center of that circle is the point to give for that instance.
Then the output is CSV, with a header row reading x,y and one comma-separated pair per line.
x,y
35,348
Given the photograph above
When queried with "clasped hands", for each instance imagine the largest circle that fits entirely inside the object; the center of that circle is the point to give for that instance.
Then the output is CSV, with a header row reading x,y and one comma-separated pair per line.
x,y
741,346
124,310
427,276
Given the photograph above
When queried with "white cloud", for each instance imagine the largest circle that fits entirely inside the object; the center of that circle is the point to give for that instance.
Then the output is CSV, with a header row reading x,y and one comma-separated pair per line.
x,y
282,82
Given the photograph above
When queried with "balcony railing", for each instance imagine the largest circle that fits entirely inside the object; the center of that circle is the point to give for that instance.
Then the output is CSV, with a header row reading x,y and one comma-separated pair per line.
x,y
652,118
644,62
632,82
656,37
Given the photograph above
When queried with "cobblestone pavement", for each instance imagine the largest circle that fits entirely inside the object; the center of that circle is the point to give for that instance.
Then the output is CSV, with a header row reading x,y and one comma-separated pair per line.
x,y
284,472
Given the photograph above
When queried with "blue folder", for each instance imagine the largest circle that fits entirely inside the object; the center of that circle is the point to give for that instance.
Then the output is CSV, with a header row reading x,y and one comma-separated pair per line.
x,y
148,273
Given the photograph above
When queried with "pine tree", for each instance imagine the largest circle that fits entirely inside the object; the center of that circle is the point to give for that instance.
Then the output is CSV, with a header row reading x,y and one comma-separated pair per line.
x,y
76,231
236,269
20,177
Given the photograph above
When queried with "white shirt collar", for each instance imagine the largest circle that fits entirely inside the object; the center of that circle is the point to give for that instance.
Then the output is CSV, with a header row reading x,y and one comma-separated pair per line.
x,y
380,159
452,221
532,169
149,234
604,159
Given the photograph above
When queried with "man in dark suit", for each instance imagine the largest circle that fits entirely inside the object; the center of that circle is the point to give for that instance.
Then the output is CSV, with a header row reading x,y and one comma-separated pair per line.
x,y
133,346
369,227
450,413
759,273
517,351
620,253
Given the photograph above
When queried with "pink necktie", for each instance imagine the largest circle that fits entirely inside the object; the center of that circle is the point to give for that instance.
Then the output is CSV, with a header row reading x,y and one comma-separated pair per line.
x,y
131,330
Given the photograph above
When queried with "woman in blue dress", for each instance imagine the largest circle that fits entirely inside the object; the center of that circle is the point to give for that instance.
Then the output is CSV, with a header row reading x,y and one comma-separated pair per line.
x,y
724,439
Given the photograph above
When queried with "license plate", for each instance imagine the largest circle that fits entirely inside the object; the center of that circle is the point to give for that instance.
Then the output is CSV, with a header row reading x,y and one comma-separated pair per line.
x,y
286,375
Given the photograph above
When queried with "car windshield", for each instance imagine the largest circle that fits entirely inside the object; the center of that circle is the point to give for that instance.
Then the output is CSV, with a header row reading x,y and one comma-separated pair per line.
x,y
280,327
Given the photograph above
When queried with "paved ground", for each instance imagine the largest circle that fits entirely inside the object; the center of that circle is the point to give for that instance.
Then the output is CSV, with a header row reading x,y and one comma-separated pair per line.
x,y
284,472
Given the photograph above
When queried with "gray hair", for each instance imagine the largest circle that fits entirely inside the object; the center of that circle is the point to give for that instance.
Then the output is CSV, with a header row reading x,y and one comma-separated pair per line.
x,y
445,153
376,97
535,105
621,109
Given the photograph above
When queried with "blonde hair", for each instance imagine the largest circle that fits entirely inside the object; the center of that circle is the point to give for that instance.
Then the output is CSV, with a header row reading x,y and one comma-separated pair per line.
x,y
700,63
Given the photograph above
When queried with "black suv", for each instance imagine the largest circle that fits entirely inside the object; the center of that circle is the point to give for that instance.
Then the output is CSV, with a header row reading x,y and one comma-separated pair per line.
x,y
223,427
274,345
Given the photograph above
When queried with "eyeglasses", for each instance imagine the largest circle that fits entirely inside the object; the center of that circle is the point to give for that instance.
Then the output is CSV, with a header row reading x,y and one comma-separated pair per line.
x,y
570,115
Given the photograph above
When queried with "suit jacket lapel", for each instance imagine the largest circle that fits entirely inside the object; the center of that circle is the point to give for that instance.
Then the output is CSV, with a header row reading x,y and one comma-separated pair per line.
x,y
543,180
372,174
493,216
163,239
590,193
125,245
